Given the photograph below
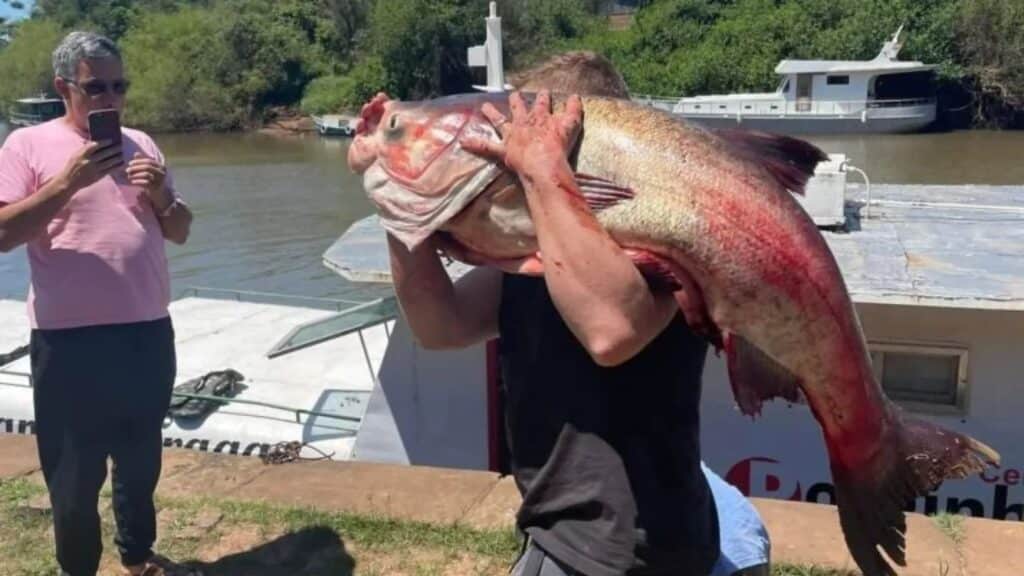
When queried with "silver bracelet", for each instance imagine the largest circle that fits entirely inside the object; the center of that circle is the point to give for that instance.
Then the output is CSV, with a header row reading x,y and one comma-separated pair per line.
x,y
170,207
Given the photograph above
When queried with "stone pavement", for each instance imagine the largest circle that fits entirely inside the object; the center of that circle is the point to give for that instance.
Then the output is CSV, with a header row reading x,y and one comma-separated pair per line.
x,y
805,534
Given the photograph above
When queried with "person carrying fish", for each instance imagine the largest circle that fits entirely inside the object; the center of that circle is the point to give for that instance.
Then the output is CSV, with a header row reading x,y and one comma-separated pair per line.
x,y
602,377
706,216
744,541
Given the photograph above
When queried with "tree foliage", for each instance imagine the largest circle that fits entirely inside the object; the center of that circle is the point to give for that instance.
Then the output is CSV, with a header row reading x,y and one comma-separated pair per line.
x,y
25,64
221,64
992,43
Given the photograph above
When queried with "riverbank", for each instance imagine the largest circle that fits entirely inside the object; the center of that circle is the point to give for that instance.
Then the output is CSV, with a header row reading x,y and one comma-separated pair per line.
x,y
229,513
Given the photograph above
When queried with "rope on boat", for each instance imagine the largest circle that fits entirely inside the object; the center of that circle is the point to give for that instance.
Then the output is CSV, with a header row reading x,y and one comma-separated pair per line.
x,y
13,355
284,452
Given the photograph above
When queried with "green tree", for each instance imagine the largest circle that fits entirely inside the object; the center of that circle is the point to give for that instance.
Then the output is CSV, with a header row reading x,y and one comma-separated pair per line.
x,y
991,37
329,94
112,18
25,63
174,63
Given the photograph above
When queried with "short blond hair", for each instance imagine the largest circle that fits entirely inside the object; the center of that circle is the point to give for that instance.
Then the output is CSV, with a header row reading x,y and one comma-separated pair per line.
x,y
580,72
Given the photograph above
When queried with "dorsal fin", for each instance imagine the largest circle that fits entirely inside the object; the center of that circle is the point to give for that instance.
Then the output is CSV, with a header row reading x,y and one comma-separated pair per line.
x,y
790,161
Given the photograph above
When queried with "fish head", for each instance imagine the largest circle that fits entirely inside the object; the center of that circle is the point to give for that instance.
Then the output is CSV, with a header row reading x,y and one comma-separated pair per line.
x,y
414,169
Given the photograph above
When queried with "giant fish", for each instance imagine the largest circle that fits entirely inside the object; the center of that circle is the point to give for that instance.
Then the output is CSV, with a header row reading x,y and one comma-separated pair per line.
x,y
711,216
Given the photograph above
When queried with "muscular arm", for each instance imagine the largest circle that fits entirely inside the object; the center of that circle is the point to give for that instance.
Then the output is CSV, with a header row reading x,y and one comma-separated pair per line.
x,y
598,291
442,314
24,220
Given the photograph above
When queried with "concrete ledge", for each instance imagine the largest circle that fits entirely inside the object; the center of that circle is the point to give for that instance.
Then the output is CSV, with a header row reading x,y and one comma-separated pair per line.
x,y
801,533
498,509
804,533
421,494
18,456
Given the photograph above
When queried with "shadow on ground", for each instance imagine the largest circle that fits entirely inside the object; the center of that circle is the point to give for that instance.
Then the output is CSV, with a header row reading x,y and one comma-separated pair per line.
x,y
313,551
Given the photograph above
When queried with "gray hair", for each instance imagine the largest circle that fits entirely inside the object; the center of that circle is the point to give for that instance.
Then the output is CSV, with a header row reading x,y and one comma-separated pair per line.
x,y
78,46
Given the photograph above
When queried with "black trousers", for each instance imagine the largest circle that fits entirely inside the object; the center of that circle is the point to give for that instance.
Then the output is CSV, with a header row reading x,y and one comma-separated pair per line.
x,y
99,392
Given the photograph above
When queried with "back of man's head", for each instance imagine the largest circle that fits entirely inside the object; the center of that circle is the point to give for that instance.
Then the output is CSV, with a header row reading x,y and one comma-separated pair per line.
x,y
584,73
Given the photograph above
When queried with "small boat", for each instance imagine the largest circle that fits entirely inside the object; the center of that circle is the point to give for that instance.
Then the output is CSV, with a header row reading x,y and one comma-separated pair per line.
x,y
36,110
335,125
882,95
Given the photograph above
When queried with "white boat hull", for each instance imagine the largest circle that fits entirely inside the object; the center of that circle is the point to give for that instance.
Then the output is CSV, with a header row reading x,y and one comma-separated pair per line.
x,y
817,125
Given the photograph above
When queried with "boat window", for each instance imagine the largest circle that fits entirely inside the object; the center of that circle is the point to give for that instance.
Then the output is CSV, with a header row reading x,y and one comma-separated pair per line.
x,y
905,86
838,80
337,325
922,378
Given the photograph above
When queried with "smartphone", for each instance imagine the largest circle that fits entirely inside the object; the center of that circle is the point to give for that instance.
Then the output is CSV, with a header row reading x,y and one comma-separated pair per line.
x,y
105,125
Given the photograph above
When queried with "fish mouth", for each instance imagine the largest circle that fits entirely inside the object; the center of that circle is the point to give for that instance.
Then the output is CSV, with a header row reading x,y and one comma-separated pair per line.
x,y
372,113
362,153
364,148
412,218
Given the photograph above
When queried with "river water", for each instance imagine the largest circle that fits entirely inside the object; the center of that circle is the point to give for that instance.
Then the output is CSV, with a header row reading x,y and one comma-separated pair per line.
x,y
268,206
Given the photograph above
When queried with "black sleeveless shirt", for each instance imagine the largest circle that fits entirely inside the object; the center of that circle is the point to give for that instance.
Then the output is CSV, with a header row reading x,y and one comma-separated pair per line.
x,y
607,459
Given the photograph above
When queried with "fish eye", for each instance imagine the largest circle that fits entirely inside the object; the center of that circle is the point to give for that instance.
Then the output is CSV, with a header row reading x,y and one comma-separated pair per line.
x,y
393,122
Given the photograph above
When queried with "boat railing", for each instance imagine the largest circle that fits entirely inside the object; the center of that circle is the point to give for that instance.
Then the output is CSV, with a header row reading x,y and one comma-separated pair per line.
x,y
297,413
739,107
338,304
25,117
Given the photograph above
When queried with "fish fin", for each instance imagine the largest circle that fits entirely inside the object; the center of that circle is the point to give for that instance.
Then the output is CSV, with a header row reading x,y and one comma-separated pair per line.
x,y
790,161
663,273
600,193
913,458
756,377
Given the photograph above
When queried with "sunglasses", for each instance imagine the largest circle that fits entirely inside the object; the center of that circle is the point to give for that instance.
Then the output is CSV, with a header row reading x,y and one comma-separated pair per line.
x,y
95,88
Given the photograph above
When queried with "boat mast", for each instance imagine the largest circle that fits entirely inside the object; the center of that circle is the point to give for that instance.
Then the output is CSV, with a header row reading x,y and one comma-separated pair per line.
x,y
489,54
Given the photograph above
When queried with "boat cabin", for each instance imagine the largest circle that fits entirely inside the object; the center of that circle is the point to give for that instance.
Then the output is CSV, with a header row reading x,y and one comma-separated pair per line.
x,y
824,96
35,110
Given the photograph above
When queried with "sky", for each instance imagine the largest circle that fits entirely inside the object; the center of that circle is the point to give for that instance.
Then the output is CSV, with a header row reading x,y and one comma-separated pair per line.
x,y
9,13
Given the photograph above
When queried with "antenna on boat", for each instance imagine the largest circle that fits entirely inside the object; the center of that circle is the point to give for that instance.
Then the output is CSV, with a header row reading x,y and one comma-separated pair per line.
x,y
489,55
891,48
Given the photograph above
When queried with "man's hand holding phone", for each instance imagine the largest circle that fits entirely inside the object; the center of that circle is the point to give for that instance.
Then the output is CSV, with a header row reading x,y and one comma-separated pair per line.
x,y
91,163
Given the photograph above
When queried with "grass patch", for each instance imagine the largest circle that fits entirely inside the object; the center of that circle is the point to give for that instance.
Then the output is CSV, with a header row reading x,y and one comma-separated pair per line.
x,y
229,537
260,539
25,543
952,525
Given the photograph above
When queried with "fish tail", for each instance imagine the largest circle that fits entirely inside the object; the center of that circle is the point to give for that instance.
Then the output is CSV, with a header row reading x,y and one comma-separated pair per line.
x,y
913,458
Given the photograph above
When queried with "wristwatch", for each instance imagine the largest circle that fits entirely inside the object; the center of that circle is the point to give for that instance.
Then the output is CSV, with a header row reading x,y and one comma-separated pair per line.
x,y
175,202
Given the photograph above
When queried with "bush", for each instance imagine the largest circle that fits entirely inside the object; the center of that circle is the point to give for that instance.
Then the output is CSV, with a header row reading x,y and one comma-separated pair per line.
x,y
25,63
174,63
330,94
992,42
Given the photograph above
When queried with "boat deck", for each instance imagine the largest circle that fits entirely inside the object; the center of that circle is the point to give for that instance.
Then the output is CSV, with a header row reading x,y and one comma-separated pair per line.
x,y
333,379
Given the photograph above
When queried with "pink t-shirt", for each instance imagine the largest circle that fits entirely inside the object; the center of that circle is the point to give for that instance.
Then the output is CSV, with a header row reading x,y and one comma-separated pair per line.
x,y
101,260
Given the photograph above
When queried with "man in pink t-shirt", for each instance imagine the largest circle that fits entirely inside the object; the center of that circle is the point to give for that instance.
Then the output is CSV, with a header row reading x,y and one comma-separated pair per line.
x,y
94,216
